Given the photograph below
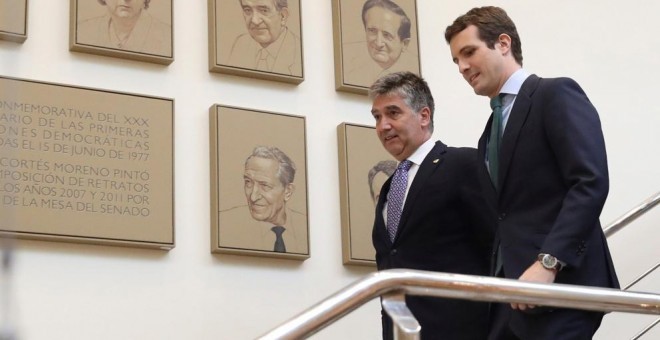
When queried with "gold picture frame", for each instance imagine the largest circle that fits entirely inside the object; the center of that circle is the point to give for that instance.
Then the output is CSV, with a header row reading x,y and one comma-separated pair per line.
x,y
364,165
86,165
373,38
145,32
13,20
258,183
253,41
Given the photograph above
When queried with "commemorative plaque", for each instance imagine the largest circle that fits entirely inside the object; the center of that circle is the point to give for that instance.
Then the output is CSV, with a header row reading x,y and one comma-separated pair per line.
x,y
85,165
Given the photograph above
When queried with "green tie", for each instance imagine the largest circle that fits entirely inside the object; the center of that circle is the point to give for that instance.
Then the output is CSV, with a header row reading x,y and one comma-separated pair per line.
x,y
495,139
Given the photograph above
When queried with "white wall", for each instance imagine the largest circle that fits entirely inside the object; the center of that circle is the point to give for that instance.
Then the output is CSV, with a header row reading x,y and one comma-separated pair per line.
x,y
68,291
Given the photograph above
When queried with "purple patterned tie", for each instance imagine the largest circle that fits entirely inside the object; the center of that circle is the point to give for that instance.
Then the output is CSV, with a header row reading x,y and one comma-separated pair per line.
x,y
395,197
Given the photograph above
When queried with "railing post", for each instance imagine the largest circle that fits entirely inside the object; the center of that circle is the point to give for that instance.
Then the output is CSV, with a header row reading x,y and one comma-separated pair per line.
x,y
404,324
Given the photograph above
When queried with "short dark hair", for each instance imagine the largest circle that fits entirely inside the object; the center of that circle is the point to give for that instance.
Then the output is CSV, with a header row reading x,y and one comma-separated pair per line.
x,y
412,88
490,21
404,29
387,167
286,171
146,3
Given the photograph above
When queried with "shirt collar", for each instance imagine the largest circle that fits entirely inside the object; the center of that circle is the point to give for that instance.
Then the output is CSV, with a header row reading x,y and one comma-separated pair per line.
x,y
418,156
514,83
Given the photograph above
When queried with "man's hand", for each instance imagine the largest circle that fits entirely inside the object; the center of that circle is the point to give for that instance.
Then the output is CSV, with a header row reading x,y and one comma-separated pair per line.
x,y
535,273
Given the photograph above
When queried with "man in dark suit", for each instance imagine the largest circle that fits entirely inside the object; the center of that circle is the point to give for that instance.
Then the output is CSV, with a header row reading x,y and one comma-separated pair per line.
x,y
441,226
544,173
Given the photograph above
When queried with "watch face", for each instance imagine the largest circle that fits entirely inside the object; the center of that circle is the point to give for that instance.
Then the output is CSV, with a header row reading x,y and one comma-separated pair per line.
x,y
549,261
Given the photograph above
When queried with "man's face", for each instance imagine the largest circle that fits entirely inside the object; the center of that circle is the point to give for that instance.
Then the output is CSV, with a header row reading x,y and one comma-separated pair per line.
x,y
483,68
266,196
263,21
377,183
383,42
124,8
400,130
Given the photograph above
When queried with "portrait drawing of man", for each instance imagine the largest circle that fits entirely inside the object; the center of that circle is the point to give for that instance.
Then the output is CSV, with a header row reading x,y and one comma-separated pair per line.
x,y
127,25
268,45
377,176
265,222
13,20
385,49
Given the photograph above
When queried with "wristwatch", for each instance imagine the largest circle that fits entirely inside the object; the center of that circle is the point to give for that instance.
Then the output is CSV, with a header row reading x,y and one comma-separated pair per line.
x,y
549,262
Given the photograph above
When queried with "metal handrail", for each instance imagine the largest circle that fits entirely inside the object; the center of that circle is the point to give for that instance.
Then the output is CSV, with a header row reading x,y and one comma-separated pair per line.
x,y
632,215
625,220
468,287
396,283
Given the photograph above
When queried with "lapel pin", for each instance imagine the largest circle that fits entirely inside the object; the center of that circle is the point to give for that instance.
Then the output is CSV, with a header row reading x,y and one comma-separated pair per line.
x,y
436,160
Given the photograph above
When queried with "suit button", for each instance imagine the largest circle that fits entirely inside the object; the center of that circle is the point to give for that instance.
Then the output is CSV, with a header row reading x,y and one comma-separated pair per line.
x,y
501,217
393,252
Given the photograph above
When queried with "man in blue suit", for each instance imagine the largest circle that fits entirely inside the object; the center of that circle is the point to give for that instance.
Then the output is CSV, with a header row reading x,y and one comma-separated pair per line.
x,y
441,222
545,174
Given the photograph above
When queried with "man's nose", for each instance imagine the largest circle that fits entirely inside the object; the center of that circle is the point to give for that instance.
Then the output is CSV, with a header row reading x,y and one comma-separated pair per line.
x,y
380,40
463,66
255,194
383,124
256,18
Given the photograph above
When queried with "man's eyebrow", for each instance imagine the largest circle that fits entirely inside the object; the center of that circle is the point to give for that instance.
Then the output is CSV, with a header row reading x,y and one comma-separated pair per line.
x,y
387,108
462,50
467,47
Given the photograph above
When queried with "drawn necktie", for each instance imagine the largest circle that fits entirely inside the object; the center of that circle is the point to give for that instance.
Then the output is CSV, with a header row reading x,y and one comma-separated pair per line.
x,y
395,197
495,139
262,60
279,241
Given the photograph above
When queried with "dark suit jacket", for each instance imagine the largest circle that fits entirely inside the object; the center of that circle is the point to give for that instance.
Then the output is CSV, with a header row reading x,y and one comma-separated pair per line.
x,y
441,229
553,184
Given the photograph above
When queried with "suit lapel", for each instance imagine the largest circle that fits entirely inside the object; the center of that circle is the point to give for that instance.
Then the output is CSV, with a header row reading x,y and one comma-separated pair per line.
x,y
427,169
482,172
517,118
381,228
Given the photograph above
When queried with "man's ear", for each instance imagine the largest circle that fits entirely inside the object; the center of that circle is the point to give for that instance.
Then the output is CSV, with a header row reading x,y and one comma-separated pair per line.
x,y
425,115
504,41
288,191
405,43
284,13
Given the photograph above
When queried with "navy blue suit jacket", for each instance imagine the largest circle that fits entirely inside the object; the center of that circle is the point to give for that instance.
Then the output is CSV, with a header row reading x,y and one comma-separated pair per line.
x,y
443,229
553,182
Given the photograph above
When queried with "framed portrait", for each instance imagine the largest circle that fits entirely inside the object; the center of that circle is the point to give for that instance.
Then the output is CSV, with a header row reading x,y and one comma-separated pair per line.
x,y
138,30
13,20
257,39
86,165
258,183
364,165
373,38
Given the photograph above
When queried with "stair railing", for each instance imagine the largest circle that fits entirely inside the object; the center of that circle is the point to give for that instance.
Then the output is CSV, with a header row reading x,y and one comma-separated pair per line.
x,y
394,284
632,215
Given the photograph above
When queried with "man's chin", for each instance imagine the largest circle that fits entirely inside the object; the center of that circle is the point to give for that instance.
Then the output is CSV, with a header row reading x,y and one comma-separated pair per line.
x,y
383,63
258,217
262,39
394,151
